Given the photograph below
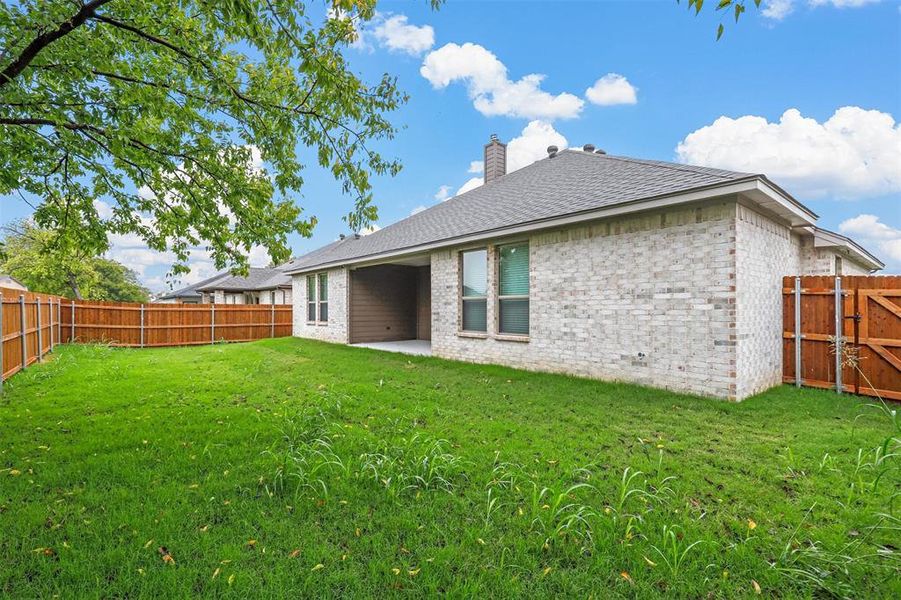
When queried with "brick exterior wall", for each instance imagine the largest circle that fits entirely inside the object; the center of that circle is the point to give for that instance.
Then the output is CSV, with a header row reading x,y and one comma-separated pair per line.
x,y
765,251
687,299
336,328
648,299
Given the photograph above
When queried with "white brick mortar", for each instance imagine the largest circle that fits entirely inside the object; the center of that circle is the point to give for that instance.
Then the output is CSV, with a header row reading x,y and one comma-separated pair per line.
x,y
661,284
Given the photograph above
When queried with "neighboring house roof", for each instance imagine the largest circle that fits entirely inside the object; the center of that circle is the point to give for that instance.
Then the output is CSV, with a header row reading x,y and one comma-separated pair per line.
x,y
258,278
10,281
192,291
572,186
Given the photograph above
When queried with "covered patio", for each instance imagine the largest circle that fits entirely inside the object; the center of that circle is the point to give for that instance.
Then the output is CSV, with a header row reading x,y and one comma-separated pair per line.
x,y
390,306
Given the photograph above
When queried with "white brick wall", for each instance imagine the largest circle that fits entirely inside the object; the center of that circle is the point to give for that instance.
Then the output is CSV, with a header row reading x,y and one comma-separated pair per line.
x,y
659,284
765,252
336,328
687,299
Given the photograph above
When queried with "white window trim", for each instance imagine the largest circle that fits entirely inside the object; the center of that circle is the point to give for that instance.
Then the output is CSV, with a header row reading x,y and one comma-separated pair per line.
x,y
315,298
503,335
460,329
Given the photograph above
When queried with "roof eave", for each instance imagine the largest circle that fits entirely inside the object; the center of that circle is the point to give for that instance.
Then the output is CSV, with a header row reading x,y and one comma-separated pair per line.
x,y
823,238
756,186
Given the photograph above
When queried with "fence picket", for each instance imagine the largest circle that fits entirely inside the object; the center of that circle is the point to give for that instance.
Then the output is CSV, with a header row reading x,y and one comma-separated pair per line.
x,y
872,336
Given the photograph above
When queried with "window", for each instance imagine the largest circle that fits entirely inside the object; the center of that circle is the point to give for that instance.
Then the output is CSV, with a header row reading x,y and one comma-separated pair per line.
x,y
513,289
323,297
311,298
317,298
475,290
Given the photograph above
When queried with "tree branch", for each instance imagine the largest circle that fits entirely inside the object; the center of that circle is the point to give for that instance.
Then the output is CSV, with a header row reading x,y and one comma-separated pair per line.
x,y
28,54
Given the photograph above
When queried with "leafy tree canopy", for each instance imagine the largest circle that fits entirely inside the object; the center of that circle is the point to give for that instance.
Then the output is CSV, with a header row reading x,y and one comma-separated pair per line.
x,y
192,120
27,257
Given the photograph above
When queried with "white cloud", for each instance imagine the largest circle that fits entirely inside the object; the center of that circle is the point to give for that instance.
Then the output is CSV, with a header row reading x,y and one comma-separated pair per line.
x,y
876,236
394,33
476,166
532,143
104,210
418,210
777,9
368,230
443,193
492,92
612,89
259,257
853,154
469,185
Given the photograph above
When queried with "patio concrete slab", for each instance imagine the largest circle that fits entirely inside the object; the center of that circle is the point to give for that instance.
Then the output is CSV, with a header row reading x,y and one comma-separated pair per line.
x,y
417,347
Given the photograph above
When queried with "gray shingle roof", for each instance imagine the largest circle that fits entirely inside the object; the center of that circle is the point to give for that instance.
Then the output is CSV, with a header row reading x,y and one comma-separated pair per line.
x,y
571,182
191,291
258,278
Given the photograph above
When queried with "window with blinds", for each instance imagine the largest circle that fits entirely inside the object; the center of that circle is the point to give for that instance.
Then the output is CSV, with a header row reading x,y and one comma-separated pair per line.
x,y
323,297
513,289
474,290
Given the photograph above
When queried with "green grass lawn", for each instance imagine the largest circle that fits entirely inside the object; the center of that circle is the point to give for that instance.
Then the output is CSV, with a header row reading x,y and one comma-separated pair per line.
x,y
291,467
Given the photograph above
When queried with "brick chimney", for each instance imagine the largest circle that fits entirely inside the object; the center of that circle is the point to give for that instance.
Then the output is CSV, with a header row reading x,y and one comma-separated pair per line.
x,y
495,159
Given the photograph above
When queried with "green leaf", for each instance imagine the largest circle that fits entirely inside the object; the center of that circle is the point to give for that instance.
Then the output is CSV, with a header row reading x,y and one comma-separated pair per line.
x,y
719,32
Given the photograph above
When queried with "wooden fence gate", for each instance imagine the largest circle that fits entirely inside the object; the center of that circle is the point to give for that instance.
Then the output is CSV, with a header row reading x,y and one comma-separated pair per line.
x,y
838,318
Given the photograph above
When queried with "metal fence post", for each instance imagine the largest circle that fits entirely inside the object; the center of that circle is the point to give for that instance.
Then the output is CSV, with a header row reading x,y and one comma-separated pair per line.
x,y
212,323
72,336
272,318
797,332
24,321
839,335
37,308
50,320
142,326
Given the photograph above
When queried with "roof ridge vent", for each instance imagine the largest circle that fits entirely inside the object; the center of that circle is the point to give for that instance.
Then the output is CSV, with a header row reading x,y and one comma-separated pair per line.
x,y
588,147
552,151
600,151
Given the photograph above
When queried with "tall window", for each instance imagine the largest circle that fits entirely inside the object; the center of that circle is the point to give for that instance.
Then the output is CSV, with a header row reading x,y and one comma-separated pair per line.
x,y
475,290
311,298
323,297
513,289
317,298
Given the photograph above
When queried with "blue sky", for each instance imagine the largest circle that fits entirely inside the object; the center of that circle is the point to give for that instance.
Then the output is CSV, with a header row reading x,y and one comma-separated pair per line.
x,y
810,95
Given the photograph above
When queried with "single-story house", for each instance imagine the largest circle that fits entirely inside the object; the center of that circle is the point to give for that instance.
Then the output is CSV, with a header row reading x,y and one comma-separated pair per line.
x,y
584,263
261,285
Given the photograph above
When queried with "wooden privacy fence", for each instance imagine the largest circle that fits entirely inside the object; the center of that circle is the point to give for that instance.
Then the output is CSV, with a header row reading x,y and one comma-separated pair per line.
x,y
837,318
32,324
29,329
